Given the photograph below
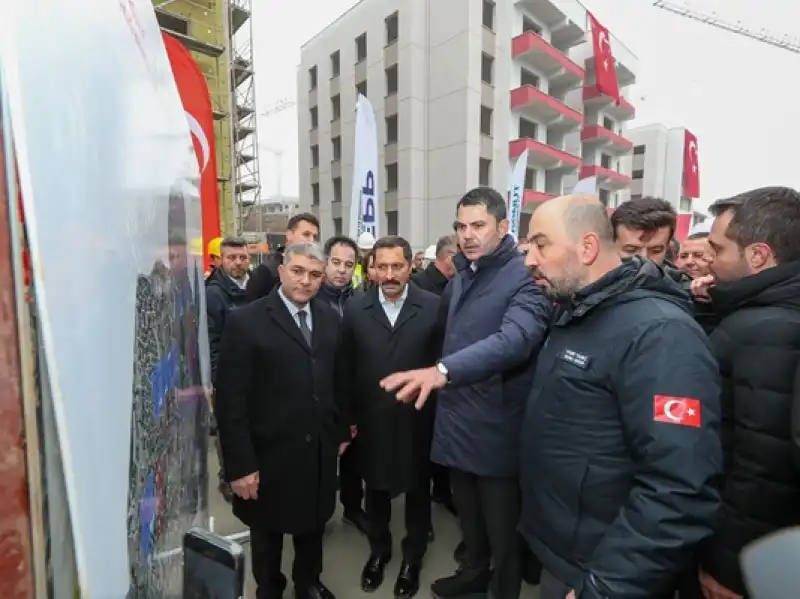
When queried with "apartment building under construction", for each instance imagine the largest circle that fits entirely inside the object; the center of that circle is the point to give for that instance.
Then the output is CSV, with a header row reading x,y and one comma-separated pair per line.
x,y
219,35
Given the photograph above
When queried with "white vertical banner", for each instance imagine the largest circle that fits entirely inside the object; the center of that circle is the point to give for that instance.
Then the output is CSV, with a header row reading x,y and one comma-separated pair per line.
x,y
516,193
586,186
365,196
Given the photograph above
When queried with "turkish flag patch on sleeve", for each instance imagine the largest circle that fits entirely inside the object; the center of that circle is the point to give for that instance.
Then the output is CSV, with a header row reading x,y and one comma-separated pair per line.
x,y
677,410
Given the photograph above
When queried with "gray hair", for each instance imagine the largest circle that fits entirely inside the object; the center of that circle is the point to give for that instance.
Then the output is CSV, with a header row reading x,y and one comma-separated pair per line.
x,y
309,250
233,242
445,243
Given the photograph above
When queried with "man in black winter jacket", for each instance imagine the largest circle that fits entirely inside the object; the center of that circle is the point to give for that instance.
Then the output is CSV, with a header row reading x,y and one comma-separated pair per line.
x,y
435,276
301,228
755,266
620,442
225,292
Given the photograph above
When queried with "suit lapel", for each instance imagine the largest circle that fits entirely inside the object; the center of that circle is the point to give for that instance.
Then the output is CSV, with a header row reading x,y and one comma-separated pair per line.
x,y
287,322
316,326
376,310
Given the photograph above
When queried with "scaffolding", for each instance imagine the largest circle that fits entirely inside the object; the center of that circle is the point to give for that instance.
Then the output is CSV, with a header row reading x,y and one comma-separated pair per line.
x,y
247,183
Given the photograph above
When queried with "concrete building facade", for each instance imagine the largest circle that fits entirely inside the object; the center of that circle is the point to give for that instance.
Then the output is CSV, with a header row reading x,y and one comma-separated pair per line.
x,y
657,167
459,89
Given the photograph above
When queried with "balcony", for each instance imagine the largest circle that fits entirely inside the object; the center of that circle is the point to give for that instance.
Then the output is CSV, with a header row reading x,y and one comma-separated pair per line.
x,y
535,197
593,97
543,107
565,20
605,176
560,70
542,156
612,143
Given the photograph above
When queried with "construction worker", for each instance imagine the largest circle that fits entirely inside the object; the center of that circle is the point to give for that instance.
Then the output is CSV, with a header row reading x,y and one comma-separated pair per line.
x,y
364,242
214,257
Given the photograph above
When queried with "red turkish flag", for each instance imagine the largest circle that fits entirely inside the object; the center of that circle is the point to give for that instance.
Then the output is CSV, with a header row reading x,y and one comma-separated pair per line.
x,y
196,102
691,168
605,70
677,410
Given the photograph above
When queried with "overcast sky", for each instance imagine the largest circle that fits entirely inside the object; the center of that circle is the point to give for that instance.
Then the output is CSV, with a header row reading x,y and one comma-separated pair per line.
x,y
740,97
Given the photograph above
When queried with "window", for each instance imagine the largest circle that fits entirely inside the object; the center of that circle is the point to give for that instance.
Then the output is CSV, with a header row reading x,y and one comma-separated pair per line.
x,y
173,22
315,194
361,47
392,28
391,222
361,88
530,178
487,68
484,172
486,121
391,129
528,78
638,174
391,177
312,78
529,24
605,160
337,189
391,80
336,107
336,148
488,14
335,64
604,196
639,150
314,156
337,226
527,129
608,123
314,114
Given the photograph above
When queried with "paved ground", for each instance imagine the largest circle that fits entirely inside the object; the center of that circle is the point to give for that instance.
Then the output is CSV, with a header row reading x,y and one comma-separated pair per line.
x,y
346,551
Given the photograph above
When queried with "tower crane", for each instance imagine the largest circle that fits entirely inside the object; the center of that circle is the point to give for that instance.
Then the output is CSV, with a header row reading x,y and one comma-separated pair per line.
x,y
785,43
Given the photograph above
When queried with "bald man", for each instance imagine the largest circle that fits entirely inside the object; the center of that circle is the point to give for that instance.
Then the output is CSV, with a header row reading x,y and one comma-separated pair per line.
x,y
620,440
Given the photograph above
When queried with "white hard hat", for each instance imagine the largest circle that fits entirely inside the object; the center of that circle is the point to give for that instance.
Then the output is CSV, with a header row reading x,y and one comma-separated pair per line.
x,y
365,241
701,228
430,253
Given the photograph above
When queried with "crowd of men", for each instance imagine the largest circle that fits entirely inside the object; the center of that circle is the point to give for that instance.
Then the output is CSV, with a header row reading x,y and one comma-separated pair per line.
x,y
624,408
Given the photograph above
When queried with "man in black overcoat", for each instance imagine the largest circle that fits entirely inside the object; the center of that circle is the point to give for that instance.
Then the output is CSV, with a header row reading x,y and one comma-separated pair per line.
x,y
279,422
393,326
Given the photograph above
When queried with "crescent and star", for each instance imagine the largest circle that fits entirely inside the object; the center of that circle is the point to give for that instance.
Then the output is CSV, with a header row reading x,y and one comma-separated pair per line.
x,y
668,407
197,131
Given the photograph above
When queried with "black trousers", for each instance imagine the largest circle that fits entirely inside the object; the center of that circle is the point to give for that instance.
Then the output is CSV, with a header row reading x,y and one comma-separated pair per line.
x,y
489,509
267,550
440,481
351,487
418,523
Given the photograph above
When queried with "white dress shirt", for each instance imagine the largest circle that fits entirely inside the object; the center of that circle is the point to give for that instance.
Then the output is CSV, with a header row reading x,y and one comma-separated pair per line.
x,y
392,309
294,310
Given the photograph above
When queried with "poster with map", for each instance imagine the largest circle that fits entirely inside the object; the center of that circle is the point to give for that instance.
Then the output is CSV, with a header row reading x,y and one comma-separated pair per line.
x,y
109,183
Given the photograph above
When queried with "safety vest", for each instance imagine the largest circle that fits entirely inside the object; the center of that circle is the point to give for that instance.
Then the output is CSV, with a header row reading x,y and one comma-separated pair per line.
x,y
358,277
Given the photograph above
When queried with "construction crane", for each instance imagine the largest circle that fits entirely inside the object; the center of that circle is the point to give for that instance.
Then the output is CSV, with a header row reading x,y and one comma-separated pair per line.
x,y
279,106
785,43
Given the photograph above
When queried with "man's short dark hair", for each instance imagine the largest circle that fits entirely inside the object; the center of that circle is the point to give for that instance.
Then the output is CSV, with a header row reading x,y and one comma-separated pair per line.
x,y
232,242
446,242
673,249
340,240
645,214
701,235
394,241
301,217
485,196
767,215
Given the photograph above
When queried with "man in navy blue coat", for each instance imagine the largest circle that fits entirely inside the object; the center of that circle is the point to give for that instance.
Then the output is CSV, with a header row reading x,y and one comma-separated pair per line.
x,y
496,322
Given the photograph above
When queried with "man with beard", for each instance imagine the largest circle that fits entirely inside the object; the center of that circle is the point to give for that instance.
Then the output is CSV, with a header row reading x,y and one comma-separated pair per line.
x,y
644,227
393,326
225,292
620,443
496,322
754,286
342,256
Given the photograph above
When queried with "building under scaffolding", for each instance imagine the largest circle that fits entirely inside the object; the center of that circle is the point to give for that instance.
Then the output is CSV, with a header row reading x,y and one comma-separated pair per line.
x,y
219,35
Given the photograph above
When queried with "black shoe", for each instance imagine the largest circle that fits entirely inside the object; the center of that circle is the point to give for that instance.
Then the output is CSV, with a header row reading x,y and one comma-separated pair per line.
x,y
317,591
356,518
227,492
460,553
372,574
462,584
407,583
274,591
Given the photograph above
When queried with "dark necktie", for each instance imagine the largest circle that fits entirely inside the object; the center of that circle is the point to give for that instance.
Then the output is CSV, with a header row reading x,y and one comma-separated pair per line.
x,y
301,317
